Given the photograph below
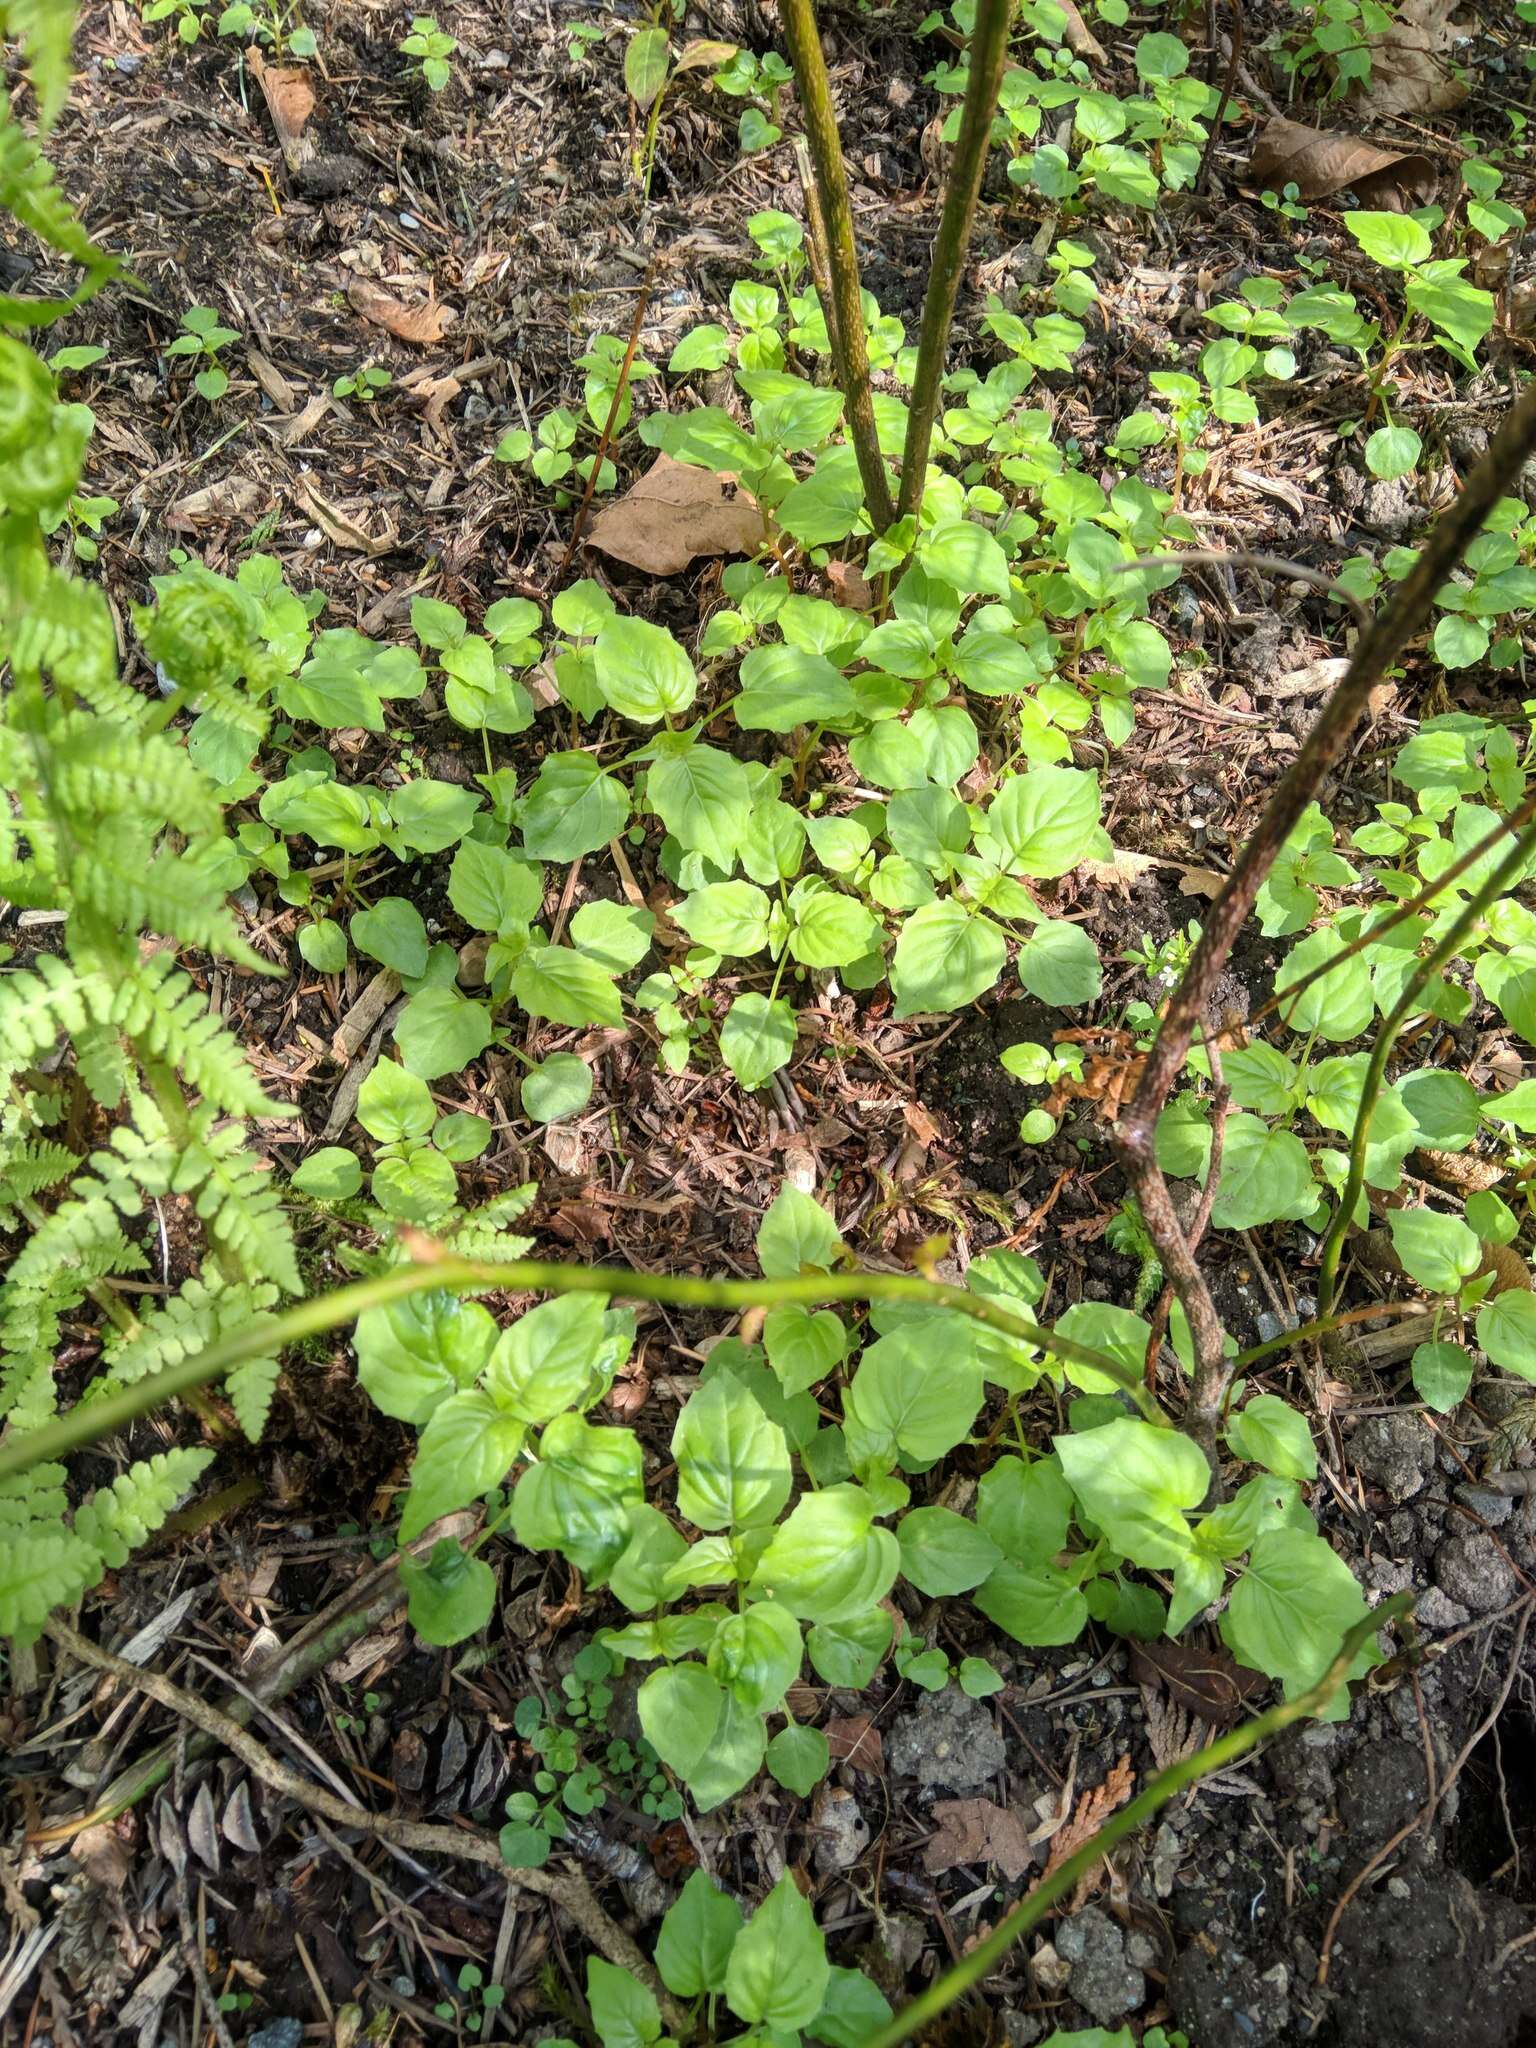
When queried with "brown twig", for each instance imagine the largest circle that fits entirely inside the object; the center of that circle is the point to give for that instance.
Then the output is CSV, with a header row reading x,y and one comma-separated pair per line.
x,y
1382,640
572,1894
1227,84
1221,1102
831,178
988,53
820,263
1245,558
642,306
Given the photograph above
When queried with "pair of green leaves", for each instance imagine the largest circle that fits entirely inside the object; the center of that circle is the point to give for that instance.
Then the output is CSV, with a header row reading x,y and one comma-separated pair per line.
x,y
771,1971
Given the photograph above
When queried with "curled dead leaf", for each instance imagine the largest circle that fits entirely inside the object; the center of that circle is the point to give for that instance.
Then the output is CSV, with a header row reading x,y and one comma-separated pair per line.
x,y
704,53
102,1854
421,325
856,1741
1210,1683
978,1831
290,102
850,586
232,497
1309,681
1320,162
674,514
1410,68
340,527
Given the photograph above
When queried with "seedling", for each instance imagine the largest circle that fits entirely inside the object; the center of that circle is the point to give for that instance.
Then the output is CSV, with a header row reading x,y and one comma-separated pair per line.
x,y
365,384
428,47
188,15
277,24
582,37
203,336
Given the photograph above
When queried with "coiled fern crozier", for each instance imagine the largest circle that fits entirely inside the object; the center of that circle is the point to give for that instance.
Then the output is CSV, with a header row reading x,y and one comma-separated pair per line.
x,y
108,822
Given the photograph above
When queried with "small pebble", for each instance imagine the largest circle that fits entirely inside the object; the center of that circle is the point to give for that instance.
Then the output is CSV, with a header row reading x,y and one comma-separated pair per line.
x,y
284,2033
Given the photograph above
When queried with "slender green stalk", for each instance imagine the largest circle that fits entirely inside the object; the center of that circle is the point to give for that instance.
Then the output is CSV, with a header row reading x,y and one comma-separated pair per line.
x,y
90,1421
845,317
989,49
1449,946
986,1955
1320,1327
1409,907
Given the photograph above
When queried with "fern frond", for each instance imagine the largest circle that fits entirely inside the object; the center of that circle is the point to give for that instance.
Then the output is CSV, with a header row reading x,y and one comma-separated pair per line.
x,y
136,1165
29,1394
167,1018
99,768
28,191
63,629
45,30
474,1240
46,1568
250,1388
506,1207
124,891
36,1006
100,1063
36,1495
239,1203
205,1310
116,1519
80,1237
29,1165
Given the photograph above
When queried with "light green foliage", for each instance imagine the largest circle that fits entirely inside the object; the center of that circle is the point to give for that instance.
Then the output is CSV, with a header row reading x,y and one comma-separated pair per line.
x,y
113,826
202,336
428,49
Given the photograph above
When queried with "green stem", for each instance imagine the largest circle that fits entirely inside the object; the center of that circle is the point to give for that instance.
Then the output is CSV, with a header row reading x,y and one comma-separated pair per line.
x,y
1320,1327
987,1954
267,1336
1450,945
847,315
1410,906
989,50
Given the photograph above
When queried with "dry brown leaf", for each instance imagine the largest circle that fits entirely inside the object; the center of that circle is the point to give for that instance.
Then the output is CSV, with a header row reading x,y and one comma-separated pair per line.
x,y
232,497
421,325
704,53
1201,882
1123,871
1309,681
565,1149
338,526
850,586
1081,40
856,1741
978,1831
272,381
103,1855
1319,163
304,423
290,102
674,514
1210,1683
1410,73
433,394
1090,1814
1111,1072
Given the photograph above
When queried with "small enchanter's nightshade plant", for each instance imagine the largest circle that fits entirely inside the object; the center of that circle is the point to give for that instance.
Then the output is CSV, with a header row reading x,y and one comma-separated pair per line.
x,y
428,47
203,336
